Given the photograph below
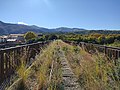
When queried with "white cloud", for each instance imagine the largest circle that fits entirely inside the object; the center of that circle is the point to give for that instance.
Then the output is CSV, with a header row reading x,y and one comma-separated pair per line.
x,y
22,23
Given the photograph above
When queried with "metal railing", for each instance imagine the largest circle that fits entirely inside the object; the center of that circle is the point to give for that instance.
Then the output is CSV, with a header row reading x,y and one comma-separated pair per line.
x,y
10,58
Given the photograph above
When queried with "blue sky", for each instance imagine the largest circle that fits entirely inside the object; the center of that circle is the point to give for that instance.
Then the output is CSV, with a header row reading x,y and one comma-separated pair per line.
x,y
88,14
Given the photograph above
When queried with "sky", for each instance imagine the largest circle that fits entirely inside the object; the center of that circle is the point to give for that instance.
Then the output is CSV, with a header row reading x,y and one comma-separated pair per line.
x,y
88,14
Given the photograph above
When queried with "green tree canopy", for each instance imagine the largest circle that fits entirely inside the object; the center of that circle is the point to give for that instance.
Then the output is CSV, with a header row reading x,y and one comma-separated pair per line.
x,y
30,35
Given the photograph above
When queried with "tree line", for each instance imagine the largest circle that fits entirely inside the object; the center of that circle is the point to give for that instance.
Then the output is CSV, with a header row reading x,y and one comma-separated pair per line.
x,y
95,38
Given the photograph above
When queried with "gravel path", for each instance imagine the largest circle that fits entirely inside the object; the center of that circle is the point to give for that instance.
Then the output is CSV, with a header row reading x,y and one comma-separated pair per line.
x,y
69,79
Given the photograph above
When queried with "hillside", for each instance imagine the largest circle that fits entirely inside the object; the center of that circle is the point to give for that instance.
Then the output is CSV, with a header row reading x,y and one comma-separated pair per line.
x,y
8,28
98,31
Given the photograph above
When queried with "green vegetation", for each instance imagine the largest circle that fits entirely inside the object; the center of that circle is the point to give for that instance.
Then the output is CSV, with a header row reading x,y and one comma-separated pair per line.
x,y
103,39
115,44
91,38
29,36
96,38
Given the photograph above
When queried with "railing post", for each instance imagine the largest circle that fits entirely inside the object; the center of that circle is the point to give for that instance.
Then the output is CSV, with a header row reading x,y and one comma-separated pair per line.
x,y
1,67
105,50
118,54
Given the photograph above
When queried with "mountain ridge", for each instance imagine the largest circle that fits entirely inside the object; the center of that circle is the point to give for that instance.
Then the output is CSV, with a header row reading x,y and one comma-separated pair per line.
x,y
8,28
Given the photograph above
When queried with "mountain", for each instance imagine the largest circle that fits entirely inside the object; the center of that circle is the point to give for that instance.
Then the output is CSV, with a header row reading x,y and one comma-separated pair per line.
x,y
65,29
98,31
8,28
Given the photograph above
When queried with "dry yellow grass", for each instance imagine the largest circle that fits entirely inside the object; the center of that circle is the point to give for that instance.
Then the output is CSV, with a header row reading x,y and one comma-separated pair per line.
x,y
94,72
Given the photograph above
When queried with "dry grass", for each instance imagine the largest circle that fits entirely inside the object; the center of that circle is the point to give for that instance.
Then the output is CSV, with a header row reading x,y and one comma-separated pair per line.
x,y
94,72
45,62
56,78
22,74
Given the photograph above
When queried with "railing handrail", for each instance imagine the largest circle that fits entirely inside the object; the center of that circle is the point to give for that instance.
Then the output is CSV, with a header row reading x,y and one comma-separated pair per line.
x,y
109,51
20,46
103,46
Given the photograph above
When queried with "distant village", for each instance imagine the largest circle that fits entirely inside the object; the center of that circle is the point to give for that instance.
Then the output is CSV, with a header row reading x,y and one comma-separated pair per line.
x,y
11,40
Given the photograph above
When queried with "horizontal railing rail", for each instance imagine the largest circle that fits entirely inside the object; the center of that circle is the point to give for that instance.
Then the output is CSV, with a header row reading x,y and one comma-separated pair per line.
x,y
110,52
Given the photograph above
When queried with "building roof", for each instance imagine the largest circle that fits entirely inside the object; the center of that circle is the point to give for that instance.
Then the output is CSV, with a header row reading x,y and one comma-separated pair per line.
x,y
11,40
3,36
16,34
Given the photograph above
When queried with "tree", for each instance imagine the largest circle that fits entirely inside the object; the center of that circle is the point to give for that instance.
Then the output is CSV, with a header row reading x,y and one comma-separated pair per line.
x,y
51,37
30,35
102,40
